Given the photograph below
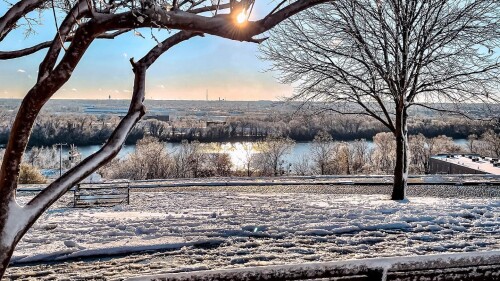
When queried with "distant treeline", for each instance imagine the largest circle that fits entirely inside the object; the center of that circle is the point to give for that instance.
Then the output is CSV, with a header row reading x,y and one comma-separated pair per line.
x,y
82,129
75,129
305,128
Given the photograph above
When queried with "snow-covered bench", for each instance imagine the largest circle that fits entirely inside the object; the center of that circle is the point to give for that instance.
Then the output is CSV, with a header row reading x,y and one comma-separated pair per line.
x,y
102,194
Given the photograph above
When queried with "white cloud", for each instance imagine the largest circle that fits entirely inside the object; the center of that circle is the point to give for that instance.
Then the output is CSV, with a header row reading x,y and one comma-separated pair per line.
x,y
74,89
21,70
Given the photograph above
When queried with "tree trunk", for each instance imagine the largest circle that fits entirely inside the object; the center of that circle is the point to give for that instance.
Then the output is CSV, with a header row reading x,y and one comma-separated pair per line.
x,y
5,250
5,254
9,234
401,168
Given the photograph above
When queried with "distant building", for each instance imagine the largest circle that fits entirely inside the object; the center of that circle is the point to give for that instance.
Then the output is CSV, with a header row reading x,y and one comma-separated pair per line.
x,y
215,123
159,114
105,111
74,157
164,118
463,164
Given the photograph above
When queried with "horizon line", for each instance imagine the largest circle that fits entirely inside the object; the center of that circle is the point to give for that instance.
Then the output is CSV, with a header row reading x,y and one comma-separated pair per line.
x,y
69,99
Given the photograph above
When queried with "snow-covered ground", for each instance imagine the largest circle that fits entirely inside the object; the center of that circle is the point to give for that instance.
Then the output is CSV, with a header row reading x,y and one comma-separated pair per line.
x,y
233,227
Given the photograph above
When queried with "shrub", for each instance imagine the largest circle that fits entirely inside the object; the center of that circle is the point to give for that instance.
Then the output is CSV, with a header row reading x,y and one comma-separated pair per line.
x,y
30,175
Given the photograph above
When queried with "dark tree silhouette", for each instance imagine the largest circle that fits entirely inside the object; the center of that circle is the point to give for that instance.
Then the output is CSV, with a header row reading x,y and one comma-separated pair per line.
x,y
85,21
380,58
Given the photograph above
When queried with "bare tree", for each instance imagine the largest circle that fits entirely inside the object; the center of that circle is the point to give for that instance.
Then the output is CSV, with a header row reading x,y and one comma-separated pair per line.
x,y
271,155
380,58
217,162
442,144
150,160
421,149
383,155
84,22
189,159
302,166
342,159
492,143
472,143
360,156
322,150
248,157
418,151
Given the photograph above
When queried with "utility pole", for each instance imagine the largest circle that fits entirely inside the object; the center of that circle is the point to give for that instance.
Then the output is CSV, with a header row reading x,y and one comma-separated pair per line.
x,y
60,156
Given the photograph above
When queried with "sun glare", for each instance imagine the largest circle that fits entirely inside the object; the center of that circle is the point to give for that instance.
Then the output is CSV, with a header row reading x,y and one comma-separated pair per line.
x,y
241,17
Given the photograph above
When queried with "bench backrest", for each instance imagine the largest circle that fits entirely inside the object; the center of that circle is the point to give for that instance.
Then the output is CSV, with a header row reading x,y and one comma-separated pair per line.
x,y
107,194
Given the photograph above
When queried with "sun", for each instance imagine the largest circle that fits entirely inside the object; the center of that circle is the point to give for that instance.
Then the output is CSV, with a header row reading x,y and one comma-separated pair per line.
x,y
241,17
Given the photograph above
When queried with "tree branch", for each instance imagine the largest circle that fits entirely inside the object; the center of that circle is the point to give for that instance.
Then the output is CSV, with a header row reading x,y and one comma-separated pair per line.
x,y
111,148
6,55
223,25
16,12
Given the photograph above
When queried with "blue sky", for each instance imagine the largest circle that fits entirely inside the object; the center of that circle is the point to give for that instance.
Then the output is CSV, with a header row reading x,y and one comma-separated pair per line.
x,y
227,69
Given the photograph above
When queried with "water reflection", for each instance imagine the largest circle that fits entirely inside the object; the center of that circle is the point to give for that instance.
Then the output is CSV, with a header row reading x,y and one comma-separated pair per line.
x,y
239,152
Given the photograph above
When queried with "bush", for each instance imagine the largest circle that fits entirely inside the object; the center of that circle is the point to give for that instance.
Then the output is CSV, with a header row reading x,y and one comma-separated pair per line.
x,y
30,175
150,160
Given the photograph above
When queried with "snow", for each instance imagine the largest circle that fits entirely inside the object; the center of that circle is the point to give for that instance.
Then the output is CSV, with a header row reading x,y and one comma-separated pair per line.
x,y
18,217
439,261
191,229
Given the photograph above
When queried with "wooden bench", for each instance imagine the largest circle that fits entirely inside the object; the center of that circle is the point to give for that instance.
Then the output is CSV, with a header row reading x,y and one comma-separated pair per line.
x,y
101,195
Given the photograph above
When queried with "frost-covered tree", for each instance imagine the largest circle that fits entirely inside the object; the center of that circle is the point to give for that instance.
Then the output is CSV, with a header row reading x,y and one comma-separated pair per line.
x,y
486,145
422,148
248,157
271,155
322,152
360,151
189,159
43,157
492,143
150,160
83,22
341,162
380,58
303,166
472,143
218,164
442,144
383,155
418,150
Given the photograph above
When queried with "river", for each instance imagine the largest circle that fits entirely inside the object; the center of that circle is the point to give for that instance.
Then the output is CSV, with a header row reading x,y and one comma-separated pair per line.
x,y
237,150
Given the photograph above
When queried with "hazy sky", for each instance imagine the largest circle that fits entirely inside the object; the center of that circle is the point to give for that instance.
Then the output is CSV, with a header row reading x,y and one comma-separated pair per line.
x,y
226,68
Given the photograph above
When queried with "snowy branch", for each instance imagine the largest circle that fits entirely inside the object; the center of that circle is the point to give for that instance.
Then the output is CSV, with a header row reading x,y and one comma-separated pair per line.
x,y
6,55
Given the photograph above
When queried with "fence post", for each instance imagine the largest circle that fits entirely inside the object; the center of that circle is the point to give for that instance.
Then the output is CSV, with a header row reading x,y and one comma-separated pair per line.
x,y
75,189
128,193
